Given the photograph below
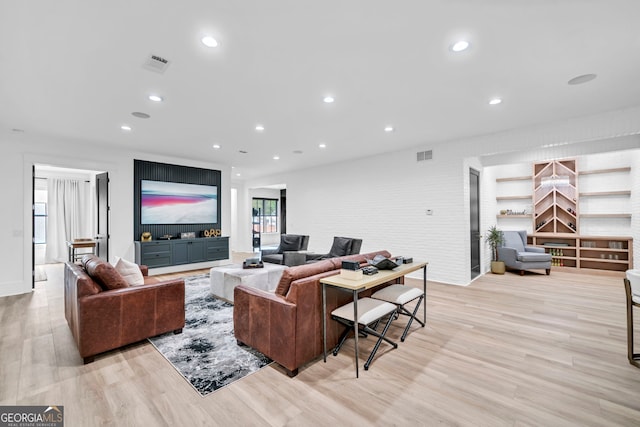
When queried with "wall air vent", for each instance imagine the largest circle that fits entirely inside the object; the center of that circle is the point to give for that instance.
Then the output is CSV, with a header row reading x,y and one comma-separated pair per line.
x,y
156,64
424,155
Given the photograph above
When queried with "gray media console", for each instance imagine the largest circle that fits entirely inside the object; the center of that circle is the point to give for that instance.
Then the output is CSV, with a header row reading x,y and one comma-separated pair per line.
x,y
165,253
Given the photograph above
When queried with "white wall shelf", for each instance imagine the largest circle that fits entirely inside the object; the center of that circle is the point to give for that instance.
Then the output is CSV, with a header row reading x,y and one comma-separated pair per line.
x,y
527,197
606,215
513,178
606,193
598,171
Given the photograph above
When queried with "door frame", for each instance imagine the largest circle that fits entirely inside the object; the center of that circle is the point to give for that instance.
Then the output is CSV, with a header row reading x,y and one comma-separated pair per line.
x,y
30,161
475,242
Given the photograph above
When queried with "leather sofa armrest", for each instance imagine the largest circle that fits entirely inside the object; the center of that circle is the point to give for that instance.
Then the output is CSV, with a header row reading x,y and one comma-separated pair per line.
x,y
122,316
266,322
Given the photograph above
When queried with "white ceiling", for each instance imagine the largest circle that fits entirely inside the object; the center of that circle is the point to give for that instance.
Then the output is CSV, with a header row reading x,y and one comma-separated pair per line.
x,y
73,69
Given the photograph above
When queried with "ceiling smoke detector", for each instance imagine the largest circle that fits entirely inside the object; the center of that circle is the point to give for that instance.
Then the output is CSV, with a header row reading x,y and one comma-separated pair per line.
x,y
156,64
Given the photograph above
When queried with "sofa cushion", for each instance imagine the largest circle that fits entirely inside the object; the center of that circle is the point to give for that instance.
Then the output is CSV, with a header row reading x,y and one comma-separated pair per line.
x,y
104,273
341,247
130,271
294,273
533,257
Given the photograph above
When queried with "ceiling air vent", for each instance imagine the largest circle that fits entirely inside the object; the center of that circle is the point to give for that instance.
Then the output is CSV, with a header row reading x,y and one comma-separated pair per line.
x,y
156,63
424,155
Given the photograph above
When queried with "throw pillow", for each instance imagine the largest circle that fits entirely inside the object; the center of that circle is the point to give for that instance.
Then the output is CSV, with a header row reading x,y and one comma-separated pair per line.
x,y
341,247
129,271
104,274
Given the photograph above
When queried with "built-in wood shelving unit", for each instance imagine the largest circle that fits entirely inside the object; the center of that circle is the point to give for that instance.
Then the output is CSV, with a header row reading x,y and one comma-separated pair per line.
x,y
560,207
555,206
613,253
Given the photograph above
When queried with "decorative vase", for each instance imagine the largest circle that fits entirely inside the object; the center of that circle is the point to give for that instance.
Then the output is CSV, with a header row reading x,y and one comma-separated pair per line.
x,y
498,267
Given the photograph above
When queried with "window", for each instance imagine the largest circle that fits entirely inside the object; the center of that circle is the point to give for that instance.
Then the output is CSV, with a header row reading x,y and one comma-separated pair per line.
x,y
40,223
265,215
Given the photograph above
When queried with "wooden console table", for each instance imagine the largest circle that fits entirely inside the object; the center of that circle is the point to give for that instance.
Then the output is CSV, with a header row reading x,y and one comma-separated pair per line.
x,y
367,282
74,245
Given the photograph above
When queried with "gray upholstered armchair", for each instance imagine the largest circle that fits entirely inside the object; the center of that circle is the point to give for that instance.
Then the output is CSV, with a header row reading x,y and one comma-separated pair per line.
x,y
289,244
516,255
341,246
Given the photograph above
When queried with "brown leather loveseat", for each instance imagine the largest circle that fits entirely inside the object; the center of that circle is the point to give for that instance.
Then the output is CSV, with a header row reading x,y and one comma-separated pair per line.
x,y
286,325
105,313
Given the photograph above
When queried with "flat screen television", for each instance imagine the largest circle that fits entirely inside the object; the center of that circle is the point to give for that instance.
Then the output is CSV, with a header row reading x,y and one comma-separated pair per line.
x,y
164,202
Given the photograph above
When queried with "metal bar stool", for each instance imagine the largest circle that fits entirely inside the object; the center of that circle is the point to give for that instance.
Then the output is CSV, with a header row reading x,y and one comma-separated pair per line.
x,y
632,288
369,311
401,295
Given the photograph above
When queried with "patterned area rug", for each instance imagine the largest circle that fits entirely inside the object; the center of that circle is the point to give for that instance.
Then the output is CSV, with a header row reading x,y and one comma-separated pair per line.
x,y
206,352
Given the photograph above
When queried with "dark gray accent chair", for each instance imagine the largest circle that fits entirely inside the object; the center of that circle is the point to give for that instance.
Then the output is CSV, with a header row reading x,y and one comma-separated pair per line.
x,y
341,246
516,255
285,254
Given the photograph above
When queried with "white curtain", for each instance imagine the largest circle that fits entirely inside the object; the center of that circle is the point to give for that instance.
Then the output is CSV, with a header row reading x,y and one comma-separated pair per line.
x,y
68,216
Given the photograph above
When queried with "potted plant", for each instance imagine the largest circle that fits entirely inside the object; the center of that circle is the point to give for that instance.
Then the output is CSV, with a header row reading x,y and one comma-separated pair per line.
x,y
495,238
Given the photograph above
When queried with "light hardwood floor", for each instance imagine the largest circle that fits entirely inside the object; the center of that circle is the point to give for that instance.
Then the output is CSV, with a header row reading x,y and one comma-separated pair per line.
x,y
505,351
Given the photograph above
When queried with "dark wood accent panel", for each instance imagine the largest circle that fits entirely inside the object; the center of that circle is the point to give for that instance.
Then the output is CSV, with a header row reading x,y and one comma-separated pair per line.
x,y
144,170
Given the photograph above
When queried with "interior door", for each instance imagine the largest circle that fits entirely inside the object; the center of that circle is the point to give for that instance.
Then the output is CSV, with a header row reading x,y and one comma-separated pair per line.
x,y
102,223
474,221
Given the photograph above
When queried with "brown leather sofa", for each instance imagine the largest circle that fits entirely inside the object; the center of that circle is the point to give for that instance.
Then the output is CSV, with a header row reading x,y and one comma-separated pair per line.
x,y
286,325
105,313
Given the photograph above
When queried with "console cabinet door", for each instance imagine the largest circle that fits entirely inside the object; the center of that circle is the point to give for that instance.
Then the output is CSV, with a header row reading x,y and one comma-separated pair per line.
x,y
196,250
155,254
217,249
180,252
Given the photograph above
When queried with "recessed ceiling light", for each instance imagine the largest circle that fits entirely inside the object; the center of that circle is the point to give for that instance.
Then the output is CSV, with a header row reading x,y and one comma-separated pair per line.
x,y
329,99
238,174
389,129
216,146
140,115
495,101
322,145
582,79
155,98
259,128
460,45
125,128
209,41
297,151
276,157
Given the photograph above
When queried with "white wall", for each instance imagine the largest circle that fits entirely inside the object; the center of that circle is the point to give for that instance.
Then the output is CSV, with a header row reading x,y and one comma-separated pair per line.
x,y
21,152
